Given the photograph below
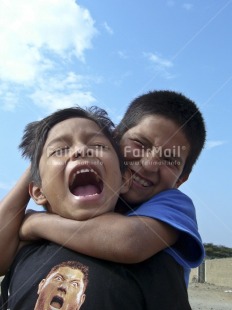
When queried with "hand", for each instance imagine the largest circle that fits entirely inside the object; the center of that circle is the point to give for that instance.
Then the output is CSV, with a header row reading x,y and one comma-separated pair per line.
x,y
29,224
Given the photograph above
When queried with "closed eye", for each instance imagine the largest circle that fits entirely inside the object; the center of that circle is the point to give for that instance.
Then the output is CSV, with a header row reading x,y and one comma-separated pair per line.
x,y
137,143
61,151
99,146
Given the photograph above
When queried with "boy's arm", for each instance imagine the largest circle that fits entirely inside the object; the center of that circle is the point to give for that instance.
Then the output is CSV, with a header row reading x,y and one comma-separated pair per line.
x,y
12,211
110,236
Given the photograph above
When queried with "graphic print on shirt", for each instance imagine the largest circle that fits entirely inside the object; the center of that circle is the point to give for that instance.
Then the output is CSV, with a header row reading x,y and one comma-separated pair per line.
x,y
64,287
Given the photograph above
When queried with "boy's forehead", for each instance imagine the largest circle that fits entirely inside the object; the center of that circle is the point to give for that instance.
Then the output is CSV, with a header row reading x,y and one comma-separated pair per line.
x,y
75,124
153,124
73,272
78,122
73,128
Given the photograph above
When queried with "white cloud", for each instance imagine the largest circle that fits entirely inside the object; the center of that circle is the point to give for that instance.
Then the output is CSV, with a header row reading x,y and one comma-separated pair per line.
x,y
159,61
32,31
108,28
160,64
10,101
8,97
187,5
122,54
5,186
214,143
61,91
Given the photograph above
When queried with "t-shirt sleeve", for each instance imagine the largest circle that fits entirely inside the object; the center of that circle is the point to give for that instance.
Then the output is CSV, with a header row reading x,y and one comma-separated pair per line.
x,y
176,209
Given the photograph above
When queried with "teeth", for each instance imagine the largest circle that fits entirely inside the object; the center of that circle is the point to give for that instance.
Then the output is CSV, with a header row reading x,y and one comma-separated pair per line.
x,y
84,170
140,180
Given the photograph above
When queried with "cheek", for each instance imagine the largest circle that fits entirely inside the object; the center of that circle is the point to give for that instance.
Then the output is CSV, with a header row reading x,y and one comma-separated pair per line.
x,y
111,164
115,179
55,196
52,174
169,176
126,149
131,152
51,165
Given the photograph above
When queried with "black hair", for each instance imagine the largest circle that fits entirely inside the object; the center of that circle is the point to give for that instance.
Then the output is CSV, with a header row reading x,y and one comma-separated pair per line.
x,y
35,134
176,107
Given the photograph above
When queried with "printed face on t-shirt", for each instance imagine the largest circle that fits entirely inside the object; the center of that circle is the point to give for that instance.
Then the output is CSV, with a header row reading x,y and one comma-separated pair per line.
x,y
63,289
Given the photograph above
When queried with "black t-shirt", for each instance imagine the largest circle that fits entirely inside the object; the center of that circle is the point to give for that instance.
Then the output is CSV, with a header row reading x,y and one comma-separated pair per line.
x,y
157,283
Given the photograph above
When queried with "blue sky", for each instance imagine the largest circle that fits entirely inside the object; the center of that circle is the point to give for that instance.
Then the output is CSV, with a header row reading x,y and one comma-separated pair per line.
x,y
55,54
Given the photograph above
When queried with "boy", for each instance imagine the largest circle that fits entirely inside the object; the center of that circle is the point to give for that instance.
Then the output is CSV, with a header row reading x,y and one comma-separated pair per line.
x,y
68,173
71,156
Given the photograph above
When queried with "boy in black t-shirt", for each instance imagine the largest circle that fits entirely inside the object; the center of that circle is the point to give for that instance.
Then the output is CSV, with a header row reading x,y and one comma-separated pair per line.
x,y
72,175
71,153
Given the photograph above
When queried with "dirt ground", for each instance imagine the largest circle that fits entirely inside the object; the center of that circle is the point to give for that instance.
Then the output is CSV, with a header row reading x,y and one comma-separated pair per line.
x,y
203,296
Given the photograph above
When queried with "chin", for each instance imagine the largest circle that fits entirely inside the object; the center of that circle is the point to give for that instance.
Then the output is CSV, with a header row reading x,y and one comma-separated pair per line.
x,y
79,216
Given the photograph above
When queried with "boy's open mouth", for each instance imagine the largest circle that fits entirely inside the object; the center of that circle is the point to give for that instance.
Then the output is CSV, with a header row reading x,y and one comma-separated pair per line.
x,y
85,182
57,302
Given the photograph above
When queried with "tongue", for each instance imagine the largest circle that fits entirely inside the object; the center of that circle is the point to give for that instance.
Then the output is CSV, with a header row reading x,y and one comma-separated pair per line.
x,y
56,305
86,190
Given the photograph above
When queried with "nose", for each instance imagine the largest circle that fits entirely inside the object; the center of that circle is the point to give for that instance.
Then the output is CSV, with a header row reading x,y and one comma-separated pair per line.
x,y
150,162
81,151
62,288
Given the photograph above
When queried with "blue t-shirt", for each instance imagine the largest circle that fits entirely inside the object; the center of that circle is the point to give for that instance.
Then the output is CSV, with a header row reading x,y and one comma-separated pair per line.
x,y
177,210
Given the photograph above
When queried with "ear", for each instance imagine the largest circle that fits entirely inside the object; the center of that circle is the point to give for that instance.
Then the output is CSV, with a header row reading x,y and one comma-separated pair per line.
x,y
41,284
37,194
126,181
82,299
181,180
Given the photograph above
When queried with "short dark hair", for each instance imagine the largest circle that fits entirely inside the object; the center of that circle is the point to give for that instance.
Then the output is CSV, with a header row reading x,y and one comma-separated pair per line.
x,y
35,134
176,107
73,265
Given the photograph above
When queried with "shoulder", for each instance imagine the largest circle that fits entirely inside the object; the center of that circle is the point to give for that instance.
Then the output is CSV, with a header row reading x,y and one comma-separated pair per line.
x,y
171,201
170,195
